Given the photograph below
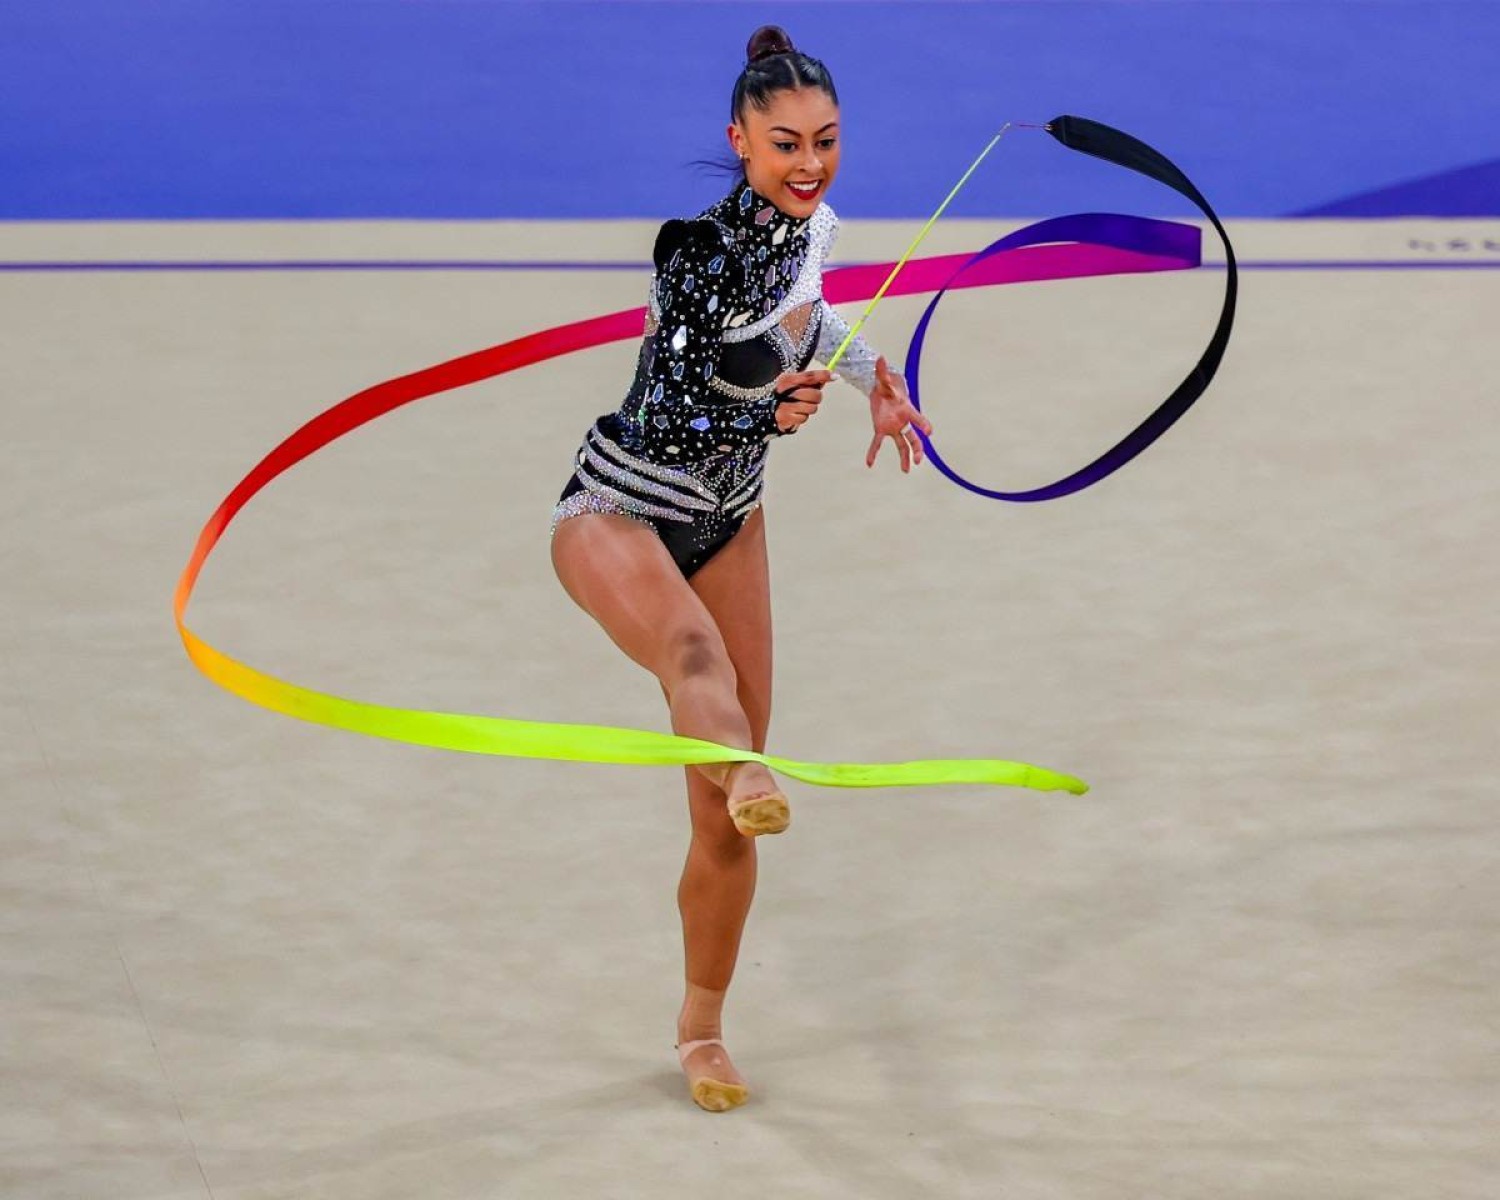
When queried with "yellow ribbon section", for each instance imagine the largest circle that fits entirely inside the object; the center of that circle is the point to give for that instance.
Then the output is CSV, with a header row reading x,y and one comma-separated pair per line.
x,y
588,743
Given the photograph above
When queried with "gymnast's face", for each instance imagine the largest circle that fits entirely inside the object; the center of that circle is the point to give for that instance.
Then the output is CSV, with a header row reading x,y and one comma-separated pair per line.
x,y
791,150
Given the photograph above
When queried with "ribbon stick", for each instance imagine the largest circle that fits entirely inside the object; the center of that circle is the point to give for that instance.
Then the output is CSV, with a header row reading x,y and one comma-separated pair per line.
x,y
912,249
1125,244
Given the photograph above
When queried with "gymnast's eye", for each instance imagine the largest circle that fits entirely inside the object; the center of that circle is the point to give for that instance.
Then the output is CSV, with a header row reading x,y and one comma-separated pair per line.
x,y
785,147
828,143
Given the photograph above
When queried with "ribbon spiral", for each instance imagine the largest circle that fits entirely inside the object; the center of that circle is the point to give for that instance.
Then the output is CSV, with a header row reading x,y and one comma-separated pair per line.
x,y
1098,244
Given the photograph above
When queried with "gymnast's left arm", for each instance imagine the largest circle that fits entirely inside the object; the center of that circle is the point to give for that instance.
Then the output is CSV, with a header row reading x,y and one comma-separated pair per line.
x,y
892,413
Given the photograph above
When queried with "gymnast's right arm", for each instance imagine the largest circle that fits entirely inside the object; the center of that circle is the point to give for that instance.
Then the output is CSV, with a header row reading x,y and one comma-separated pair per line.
x,y
680,419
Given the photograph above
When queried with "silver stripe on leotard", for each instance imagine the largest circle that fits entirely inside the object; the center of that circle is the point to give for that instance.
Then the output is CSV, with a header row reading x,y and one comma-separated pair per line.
x,y
641,466
639,483
589,502
634,503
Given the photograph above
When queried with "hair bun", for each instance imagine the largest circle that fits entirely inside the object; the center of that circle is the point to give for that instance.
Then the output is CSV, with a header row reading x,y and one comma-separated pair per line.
x,y
766,41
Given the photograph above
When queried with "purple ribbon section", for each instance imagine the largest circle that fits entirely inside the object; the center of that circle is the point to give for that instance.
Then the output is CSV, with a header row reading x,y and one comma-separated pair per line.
x,y
1123,150
1164,245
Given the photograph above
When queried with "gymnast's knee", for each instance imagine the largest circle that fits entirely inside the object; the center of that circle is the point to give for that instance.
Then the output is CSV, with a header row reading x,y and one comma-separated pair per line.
x,y
696,655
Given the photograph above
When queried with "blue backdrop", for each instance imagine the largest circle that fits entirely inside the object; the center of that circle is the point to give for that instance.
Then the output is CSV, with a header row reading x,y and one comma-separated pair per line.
x,y
479,108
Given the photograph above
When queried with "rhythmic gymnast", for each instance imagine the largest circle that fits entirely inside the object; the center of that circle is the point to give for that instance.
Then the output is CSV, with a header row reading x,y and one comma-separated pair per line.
x,y
660,536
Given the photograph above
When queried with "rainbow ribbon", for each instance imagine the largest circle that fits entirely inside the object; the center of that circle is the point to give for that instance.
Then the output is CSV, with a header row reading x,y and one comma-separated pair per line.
x,y
1105,245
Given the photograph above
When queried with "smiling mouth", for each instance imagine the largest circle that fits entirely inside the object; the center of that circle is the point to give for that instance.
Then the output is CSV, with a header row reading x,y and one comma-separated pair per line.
x,y
805,191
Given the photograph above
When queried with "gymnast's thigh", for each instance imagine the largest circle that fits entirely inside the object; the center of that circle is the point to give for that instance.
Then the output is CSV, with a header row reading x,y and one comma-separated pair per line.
x,y
735,587
617,570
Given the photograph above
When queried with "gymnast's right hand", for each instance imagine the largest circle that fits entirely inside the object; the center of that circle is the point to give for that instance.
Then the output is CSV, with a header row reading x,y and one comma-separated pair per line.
x,y
798,395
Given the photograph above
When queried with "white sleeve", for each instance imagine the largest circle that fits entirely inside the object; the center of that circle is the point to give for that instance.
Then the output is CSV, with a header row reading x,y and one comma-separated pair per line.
x,y
858,363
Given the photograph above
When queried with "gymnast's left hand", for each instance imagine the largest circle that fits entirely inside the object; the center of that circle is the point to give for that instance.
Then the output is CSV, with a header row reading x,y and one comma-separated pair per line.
x,y
894,417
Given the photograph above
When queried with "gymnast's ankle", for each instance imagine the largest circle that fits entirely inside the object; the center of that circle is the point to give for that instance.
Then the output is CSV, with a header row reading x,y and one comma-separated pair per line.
x,y
701,1015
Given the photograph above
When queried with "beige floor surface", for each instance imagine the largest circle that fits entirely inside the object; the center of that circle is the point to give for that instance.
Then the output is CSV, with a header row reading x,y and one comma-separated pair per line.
x,y
248,958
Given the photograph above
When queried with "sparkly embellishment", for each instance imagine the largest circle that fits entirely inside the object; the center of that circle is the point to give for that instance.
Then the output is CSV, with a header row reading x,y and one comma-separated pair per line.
x,y
640,466
821,229
628,504
618,482
749,487
674,498
588,502
858,364
703,461
676,258
742,394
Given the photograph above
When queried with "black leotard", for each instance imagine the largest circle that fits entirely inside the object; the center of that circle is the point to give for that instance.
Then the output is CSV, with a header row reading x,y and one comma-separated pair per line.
x,y
737,299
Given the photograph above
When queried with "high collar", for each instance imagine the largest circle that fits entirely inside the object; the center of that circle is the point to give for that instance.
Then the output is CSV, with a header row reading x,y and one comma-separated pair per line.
x,y
756,221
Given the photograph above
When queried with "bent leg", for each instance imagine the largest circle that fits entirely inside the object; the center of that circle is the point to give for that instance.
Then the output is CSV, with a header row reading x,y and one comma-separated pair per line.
x,y
617,570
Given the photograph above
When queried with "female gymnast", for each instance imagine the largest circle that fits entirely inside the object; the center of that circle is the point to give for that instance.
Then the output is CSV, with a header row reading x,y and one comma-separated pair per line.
x,y
659,534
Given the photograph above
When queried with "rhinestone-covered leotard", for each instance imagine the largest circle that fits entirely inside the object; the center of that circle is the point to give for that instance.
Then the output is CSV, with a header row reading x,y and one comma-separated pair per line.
x,y
737,299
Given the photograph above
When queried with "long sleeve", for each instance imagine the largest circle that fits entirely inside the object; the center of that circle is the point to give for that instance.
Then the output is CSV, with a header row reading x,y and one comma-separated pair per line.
x,y
680,419
858,363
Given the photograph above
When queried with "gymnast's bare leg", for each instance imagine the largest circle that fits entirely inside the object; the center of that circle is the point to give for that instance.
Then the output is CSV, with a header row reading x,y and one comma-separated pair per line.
x,y
709,645
718,879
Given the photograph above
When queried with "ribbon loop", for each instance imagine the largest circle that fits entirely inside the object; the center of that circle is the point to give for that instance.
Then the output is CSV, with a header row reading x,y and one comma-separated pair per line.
x,y
1111,145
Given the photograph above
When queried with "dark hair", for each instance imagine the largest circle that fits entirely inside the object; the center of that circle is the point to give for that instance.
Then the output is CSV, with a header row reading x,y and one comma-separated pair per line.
x,y
773,64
